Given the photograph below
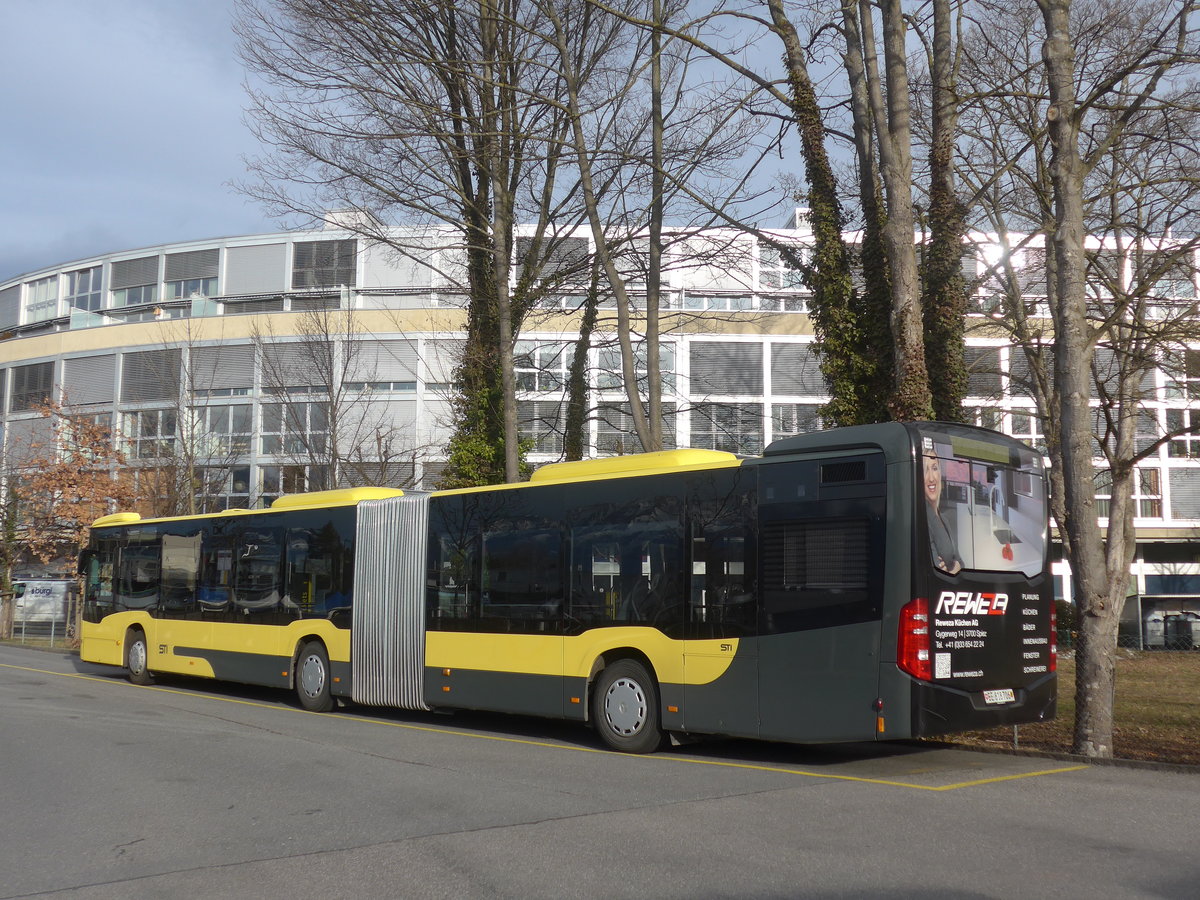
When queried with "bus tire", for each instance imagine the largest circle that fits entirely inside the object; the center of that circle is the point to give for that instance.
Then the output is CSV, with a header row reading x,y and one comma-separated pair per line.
x,y
137,657
625,708
312,678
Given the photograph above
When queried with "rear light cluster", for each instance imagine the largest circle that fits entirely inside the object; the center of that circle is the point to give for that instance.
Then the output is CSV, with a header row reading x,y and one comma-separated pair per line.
x,y
912,645
1053,636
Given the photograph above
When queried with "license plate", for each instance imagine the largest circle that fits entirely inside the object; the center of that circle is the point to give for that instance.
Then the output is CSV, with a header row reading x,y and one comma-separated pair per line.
x,y
1005,695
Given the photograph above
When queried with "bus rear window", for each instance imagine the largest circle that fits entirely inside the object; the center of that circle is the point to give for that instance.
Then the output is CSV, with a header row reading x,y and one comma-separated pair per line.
x,y
984,511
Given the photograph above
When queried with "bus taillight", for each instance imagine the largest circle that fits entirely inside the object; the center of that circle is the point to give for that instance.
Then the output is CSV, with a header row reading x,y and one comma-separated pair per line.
x,y
1053,636
912,649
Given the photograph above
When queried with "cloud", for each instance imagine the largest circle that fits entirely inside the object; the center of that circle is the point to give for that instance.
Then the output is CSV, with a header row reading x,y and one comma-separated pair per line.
x,y
125,131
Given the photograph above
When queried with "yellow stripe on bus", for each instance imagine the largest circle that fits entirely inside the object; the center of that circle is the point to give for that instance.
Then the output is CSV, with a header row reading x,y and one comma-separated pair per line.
x,y
674,661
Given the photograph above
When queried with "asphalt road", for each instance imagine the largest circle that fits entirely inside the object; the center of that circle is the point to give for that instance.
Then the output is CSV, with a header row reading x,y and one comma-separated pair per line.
x,y
185,788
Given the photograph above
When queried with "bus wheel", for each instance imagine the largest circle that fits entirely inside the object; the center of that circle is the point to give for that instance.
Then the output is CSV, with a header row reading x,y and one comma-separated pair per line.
x,y
137,657
625,708
312,678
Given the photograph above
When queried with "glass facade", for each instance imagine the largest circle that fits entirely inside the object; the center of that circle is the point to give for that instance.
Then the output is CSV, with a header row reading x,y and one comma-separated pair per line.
x,y
735,375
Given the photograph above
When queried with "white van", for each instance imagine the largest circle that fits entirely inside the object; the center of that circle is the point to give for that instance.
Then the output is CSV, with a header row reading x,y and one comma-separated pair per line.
x,y
36,602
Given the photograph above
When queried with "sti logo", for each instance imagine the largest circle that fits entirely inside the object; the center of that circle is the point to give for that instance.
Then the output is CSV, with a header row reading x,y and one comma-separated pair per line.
x,y
965,603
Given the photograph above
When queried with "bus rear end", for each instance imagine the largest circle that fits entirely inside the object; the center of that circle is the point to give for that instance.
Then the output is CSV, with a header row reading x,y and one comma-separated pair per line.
x,y
977,638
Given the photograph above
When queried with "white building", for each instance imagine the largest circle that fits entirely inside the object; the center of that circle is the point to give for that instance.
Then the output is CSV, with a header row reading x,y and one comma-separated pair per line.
x,y
204,342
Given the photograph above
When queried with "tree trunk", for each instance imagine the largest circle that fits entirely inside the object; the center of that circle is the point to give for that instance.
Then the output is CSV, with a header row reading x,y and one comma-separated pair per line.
x,y
604,254
830,307
575,428
1073,365
911,397
654,275
944,301
869,306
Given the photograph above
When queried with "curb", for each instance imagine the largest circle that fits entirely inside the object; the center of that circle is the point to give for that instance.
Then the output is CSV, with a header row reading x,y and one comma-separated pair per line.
x,y
1148,765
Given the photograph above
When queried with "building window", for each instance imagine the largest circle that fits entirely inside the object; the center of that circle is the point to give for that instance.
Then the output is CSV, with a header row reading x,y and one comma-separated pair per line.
x,y
783,304
89,434
986,417
541,367
381,387
151,433
1102,481
318,264
225,430
788,419
610,377
32,386
541,423
1183,446
84,289
134,281
1148,493
1183,375
191,287
1024,426
280,480
615,433
295,428
41,299
225,488
1172,274
192,273
733,427
135,296
722,368
719,303
777,273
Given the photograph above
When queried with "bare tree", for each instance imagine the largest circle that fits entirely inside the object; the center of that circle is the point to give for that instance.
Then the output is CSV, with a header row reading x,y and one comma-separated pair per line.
x,y
1071,122
320,417
431,114
627,173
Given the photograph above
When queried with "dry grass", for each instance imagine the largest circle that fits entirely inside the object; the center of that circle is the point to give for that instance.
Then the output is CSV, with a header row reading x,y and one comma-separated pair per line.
x,y
1157,711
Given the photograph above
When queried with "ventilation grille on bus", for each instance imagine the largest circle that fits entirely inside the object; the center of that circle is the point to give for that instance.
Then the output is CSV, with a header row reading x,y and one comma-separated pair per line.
x,y
842,472
817,555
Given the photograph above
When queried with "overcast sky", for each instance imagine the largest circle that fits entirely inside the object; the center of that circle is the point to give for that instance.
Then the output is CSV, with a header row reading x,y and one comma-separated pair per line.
x,y
122,127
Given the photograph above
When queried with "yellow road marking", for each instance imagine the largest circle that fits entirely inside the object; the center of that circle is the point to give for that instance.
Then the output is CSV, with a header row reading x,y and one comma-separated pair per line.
x,y
778,770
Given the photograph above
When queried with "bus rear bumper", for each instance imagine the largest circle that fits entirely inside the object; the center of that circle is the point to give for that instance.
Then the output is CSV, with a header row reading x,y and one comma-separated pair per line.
x,y
938,709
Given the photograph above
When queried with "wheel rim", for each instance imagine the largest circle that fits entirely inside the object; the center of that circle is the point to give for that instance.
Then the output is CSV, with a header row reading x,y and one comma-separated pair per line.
x,y
137,657
312,675
625,706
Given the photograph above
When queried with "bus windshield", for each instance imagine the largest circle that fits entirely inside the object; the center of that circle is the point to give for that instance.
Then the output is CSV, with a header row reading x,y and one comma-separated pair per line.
x,y
985,503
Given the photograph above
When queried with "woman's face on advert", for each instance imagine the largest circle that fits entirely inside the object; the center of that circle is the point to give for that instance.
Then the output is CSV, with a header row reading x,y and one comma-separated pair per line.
x,y
933,479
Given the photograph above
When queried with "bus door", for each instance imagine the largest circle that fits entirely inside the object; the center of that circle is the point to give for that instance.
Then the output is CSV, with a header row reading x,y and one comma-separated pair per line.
x,y
495,631
181,630
822,538
720,654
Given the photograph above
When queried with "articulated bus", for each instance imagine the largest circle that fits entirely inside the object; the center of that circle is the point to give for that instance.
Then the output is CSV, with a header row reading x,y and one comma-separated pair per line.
x,y
868,583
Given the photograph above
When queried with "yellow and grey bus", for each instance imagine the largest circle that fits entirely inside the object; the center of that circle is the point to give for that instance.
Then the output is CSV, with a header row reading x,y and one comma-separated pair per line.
x,y
876,582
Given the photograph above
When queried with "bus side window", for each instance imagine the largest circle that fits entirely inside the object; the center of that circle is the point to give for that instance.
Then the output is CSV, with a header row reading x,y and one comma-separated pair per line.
x,y
595,578
258,571
137,575
99,563
315,568
453,582
722,595
651,560
216,573
522,581
180,571
722,599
